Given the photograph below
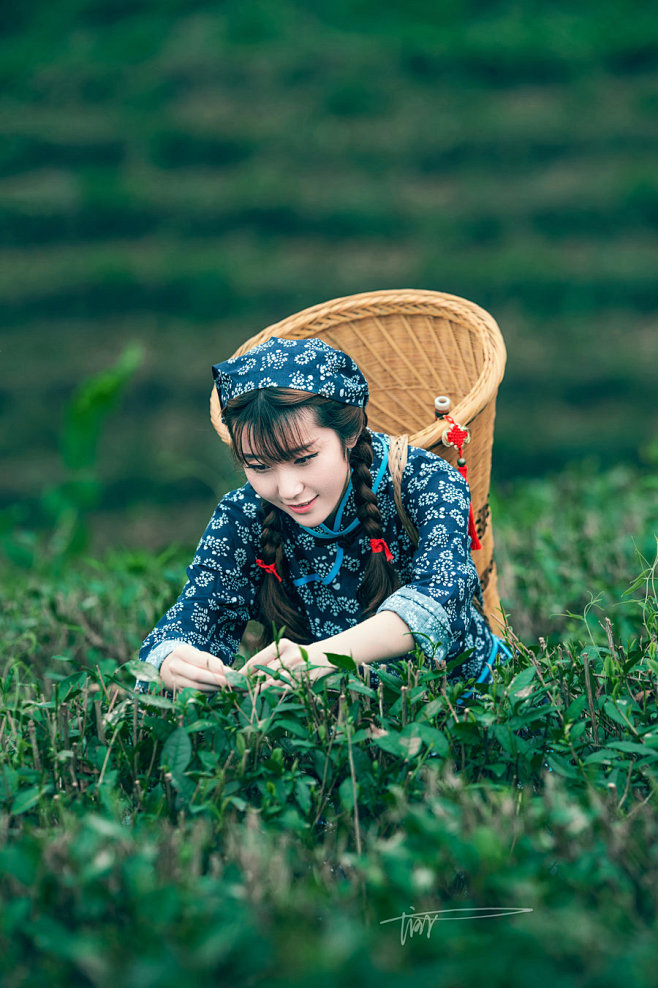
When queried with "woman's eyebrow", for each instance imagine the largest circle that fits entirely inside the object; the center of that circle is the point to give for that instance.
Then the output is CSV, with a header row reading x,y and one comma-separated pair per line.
x,y
295,451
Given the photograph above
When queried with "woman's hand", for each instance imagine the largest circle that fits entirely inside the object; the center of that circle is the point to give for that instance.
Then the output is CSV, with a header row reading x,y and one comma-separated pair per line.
x,y
189,666
287,658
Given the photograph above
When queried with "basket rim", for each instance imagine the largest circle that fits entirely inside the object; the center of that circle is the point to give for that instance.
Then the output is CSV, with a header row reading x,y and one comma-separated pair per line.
x,y
324,315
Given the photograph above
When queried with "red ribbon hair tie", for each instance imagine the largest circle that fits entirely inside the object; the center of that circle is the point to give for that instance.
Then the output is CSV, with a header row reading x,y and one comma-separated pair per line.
x,y
269,568
378,545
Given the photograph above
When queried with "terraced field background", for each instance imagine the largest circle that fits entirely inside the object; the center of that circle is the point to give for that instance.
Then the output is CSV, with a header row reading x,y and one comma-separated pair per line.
x,y
181,174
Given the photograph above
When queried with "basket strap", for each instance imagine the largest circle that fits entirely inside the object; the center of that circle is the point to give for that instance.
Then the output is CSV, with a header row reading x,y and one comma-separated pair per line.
x,y
397,461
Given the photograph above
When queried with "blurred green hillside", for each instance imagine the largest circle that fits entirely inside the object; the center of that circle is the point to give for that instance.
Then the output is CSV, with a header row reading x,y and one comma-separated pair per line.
x,y
184,173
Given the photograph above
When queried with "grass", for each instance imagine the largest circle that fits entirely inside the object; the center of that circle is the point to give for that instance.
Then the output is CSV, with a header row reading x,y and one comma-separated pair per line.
x,y
162,839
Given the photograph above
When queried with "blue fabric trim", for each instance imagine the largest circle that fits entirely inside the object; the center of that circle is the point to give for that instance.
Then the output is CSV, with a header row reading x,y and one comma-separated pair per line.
x,y
159,652
426,619
324,532
156,657
302,580
486,675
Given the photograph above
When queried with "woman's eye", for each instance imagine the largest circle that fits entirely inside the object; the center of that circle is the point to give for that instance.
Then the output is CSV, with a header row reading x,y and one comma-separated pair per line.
x,y
305,459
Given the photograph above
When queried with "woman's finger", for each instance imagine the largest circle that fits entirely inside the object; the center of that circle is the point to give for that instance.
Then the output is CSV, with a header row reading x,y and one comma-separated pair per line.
x,y
267,654
205,660
202,670
180,682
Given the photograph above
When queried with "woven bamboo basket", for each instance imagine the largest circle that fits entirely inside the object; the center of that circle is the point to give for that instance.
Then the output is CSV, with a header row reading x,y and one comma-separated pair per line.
x,y
413,345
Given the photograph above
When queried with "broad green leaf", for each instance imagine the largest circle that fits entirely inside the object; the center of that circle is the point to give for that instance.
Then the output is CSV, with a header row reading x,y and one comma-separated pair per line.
x,y
199,725
522,681
303,795
185,786
346,793
399,745
641,749
577,729
562,767
154,700
342,661
433,737
291,725
614,713
177,751
604,755
430,710
141,670
90,406
25,800
575,708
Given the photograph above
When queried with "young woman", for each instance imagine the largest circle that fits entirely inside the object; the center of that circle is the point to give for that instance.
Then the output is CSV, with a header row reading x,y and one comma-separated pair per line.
x,y
313,540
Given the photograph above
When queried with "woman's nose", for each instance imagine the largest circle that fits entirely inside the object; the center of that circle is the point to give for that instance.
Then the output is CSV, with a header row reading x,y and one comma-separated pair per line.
x,y
290,484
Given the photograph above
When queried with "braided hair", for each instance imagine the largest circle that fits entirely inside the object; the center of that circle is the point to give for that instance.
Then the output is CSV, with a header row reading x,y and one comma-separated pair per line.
x,y
271,419
380,578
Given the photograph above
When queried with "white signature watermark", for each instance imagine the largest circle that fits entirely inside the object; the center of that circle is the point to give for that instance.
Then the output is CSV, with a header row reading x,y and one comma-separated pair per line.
x,y
413,923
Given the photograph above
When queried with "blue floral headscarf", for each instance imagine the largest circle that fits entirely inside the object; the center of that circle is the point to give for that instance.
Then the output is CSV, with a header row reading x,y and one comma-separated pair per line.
x,y
305,365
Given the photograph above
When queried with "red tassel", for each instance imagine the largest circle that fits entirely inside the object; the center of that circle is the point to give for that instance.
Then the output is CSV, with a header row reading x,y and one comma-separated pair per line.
x,y
456,437
378,545
475,542
269,568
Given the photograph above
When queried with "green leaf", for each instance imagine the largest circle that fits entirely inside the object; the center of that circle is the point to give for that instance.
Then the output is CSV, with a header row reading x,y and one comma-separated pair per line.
x,y
346,793
185,786
199,725
575,709
90,406
522,681
604,755
291,725
577,729
562,767
430,710
615,714
458,660
153,700
432,737
400,745
342,661
141,670
356,686
641,749
25,800
303,794
177,751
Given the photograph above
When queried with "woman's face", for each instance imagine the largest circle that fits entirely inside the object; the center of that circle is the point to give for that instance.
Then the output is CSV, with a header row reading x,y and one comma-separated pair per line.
x,y
309,485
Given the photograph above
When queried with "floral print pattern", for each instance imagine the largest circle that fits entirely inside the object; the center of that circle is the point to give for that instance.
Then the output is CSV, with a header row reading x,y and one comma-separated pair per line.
x,y
276,363
439,577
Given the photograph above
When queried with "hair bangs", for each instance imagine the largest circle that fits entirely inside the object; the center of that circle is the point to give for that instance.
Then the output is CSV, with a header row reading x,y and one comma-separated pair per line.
x,y
273,435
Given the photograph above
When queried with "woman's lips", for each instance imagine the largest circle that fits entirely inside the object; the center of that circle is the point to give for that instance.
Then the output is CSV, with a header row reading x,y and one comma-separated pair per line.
x,y
299,509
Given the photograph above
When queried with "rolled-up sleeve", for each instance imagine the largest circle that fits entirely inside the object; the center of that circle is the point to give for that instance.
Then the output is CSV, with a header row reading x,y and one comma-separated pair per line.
x,y
437,602
220,594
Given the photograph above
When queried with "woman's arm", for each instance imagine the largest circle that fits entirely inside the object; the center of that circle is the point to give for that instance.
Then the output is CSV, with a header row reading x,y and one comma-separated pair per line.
x,y
217,600
382,636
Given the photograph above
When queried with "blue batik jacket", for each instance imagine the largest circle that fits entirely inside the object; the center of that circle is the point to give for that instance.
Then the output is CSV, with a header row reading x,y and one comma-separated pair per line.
x,y
326,566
